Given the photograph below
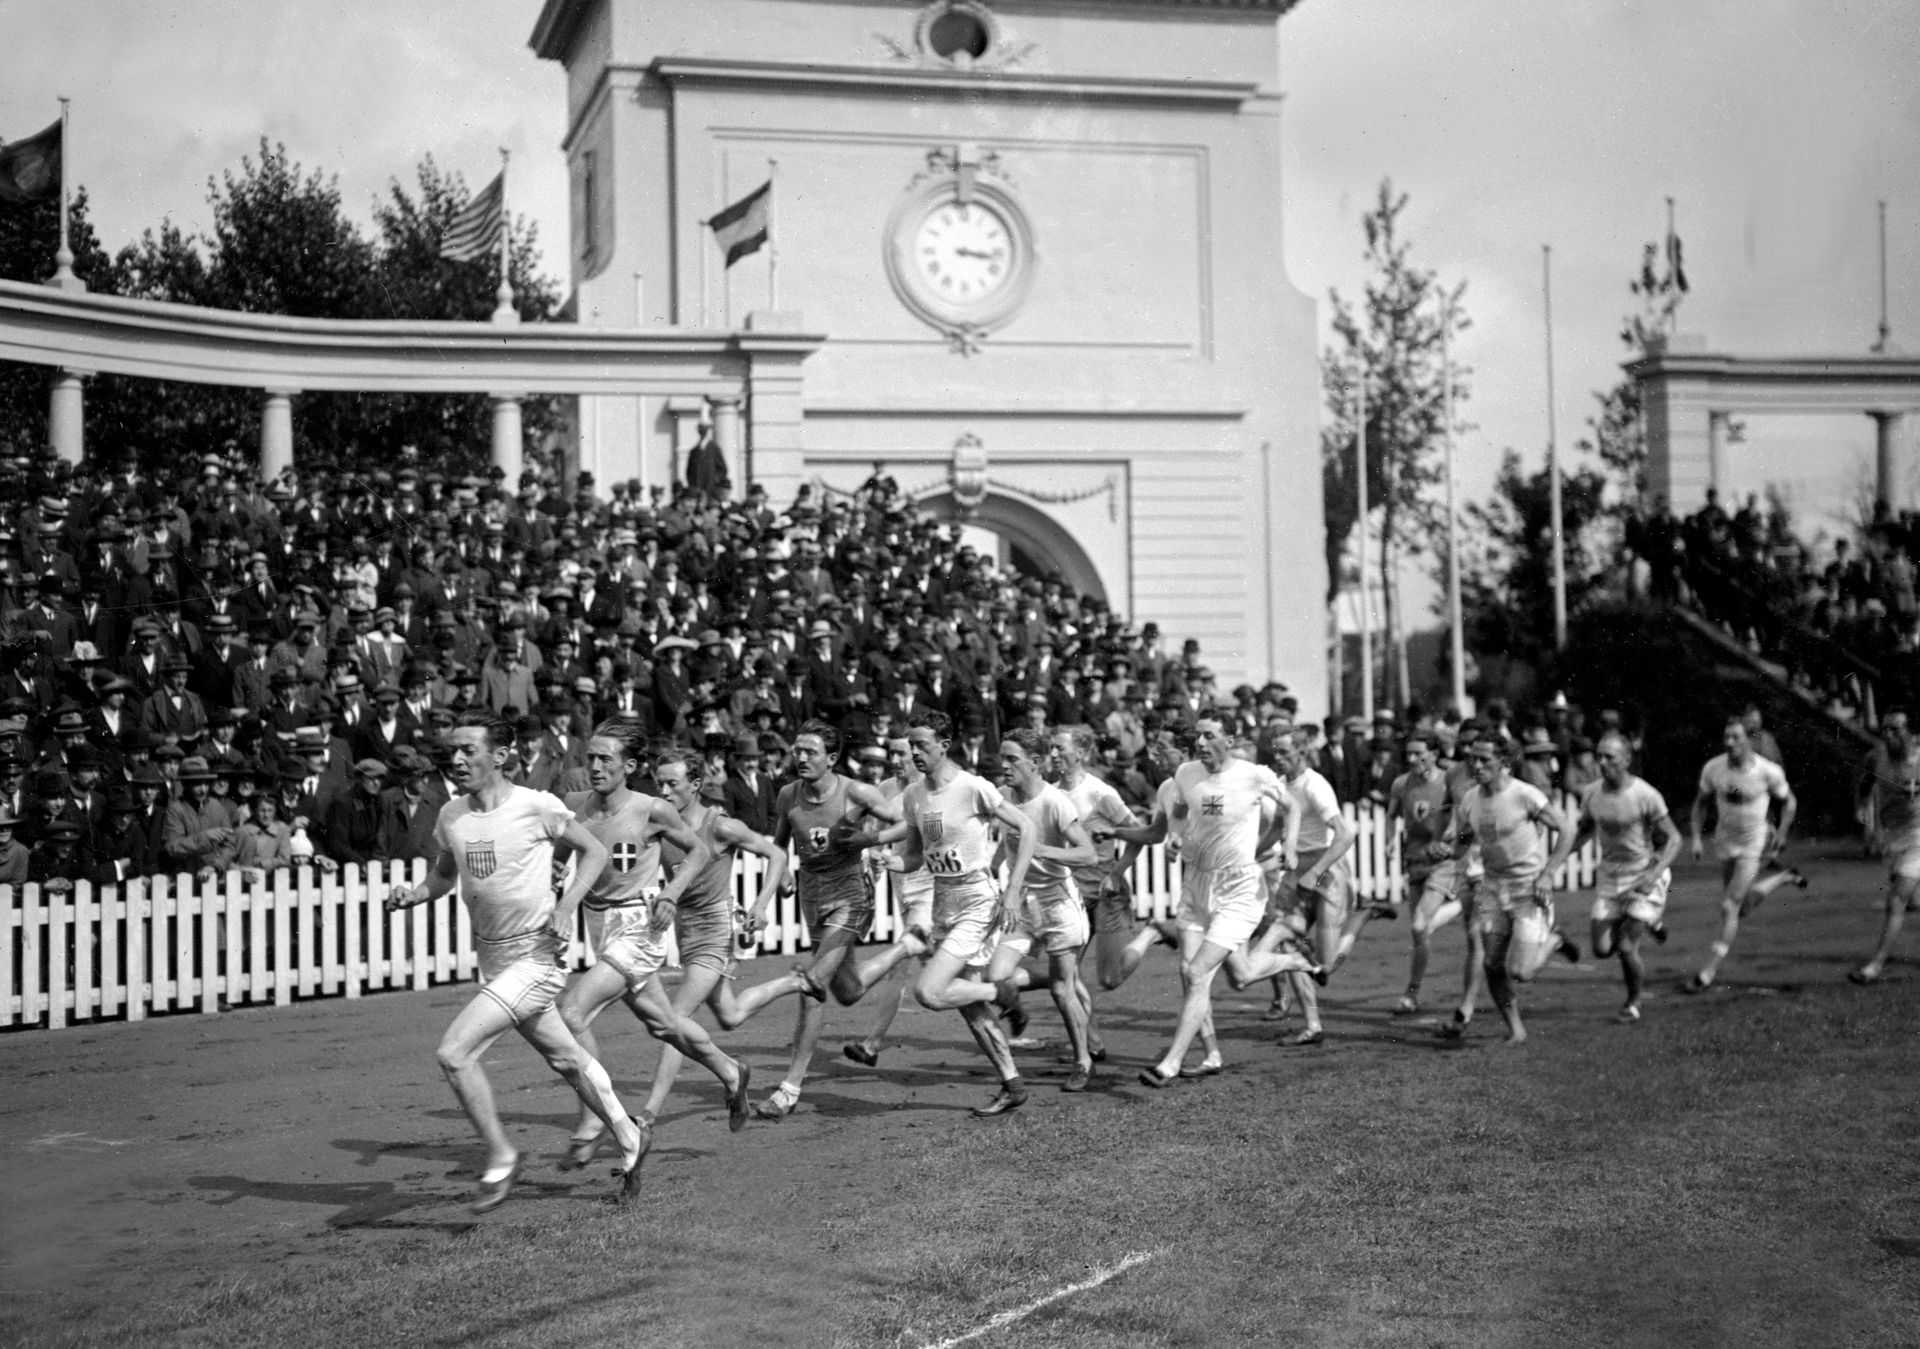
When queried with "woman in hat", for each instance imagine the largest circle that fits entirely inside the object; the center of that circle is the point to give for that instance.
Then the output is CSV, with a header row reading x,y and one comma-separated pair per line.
x,y
672,682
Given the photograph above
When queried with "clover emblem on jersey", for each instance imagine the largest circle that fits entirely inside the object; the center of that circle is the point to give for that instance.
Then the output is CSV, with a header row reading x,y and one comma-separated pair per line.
x,y
625,857
816,840
481,861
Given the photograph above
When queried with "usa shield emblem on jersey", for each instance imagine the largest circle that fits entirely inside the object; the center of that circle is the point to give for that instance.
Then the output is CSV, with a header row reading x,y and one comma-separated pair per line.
x,y
931,829
481,860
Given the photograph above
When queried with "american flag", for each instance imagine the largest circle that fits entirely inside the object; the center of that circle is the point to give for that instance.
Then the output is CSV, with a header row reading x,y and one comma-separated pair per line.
x,y
475,232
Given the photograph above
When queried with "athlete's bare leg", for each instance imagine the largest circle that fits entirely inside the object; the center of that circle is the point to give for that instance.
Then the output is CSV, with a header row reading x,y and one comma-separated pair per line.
x,y
944,985
829,970
598,988
1427,919
1196,971
1900,896
1500,985
474,1031
1739,878
1063,969
698,983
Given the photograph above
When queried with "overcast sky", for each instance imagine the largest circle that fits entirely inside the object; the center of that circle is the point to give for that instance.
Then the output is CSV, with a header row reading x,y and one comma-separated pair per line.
x,y
1776,124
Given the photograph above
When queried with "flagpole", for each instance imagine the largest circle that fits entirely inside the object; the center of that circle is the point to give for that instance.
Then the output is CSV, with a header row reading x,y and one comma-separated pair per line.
x,y
1360,482
503,310
1556,522
63,277
1458,636
706,247
1884,343
773,238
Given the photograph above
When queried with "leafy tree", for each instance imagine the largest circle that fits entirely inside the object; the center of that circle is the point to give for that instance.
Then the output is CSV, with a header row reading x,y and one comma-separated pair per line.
x,y
1394,333
1506,571
29,237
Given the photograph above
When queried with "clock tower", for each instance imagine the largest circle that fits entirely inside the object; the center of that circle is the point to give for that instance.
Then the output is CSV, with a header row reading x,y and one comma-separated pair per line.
x,y
1042,242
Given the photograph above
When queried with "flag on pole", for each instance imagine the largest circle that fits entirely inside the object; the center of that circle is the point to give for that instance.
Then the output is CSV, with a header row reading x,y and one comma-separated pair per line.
x,y
1676,273
475,232
30,168
743,227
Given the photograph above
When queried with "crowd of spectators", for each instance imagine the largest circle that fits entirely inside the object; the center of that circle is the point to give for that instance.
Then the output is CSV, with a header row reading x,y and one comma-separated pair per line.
x,y
203,671
1846,629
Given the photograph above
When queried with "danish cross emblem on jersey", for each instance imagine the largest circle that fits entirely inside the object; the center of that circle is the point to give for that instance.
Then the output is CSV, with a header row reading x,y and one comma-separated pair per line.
x,y
625,857
1213,805
480,859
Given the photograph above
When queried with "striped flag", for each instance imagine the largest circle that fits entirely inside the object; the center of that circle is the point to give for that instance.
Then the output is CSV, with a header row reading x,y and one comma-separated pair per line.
x,y
475,232
30,168
743,227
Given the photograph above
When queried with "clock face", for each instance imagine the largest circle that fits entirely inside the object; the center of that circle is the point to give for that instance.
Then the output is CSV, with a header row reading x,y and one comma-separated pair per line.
x,y
963,252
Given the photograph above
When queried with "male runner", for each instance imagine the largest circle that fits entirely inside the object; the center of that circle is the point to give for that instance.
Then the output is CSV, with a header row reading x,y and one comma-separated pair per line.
x,y
628,917
1513,909
1630,894
819,817
1105,887
1312,896
1234,812
1742,786
705,926
1895,800
1418,799
948,817
913,891
496,841
1050,910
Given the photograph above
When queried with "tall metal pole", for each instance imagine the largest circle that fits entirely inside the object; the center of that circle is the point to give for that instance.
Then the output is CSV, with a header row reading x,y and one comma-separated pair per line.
x,y
503,310
63,277
773,238
1885,342
1553,467
1455,621
1366,615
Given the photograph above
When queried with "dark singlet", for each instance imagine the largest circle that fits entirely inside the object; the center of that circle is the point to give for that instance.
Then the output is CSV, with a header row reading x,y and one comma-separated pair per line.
x,y
705,915
821,858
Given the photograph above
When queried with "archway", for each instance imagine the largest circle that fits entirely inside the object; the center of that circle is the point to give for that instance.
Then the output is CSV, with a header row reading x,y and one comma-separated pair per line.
x,y
1035,536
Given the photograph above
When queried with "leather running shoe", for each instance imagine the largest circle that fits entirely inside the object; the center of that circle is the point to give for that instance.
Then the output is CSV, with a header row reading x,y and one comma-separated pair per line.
x,y
491,1194
737,1098
860,1054
1077,1079
1011,1096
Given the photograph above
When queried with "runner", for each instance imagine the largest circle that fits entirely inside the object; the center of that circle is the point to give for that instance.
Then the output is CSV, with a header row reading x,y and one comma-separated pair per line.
x,y
819,817
1105,888
1311,898
1418,799
1513,909
1453,885
913,892
1050,909
1234,811
1895,801
1630,895
628,917
496,842
949,814
1742,785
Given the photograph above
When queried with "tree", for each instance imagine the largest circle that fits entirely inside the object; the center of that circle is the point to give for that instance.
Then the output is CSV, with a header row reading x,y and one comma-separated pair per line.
x,y
29,237
1617,433
1506,565
1395,334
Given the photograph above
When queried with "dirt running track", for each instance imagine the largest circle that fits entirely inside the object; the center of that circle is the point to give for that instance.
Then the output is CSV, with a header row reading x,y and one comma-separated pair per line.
x,y
148,1162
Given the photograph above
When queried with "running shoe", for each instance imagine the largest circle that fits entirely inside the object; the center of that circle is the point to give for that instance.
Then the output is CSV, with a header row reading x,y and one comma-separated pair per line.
x,y
1011,1096
860,1054
491,1194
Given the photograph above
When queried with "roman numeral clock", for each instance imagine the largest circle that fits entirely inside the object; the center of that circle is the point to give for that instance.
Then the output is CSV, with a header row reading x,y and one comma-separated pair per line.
x,y
959,248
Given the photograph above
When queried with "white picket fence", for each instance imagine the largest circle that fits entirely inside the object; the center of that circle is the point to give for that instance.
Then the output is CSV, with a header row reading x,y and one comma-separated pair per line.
x,y
169,944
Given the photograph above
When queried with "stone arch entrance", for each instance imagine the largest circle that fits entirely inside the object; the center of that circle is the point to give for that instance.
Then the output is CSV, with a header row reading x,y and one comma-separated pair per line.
x,y
1030,530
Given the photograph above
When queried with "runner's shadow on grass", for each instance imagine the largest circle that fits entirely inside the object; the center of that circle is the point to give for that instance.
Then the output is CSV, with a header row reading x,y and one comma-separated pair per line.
x,y
369,1151
836,1106
365,1204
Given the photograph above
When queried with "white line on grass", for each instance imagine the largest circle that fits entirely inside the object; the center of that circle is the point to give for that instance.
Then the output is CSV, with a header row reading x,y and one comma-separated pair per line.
x,y
1007,1318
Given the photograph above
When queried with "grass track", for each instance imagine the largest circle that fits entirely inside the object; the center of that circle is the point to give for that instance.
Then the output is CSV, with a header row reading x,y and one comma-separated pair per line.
x,y
1740,1169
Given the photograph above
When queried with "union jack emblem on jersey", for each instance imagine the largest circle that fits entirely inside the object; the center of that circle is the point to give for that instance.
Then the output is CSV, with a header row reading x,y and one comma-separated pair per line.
x,y
625,857
480,859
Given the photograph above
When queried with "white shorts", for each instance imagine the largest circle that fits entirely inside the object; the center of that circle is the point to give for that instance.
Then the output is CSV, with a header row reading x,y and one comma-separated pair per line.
x,y
1052,916
524,974
1904,864
1611,902
1225,903
623,938
1329,903
1504,894
913,894
966,919
1740,849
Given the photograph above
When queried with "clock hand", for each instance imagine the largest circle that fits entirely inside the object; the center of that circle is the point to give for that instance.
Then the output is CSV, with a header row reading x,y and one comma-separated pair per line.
x,y
976,253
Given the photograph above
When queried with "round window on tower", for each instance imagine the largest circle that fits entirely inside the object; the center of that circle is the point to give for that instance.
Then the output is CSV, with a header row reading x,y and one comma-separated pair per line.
x,y
959,31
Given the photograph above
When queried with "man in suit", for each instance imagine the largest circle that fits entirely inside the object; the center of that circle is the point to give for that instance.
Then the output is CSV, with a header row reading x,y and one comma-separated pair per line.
x,y
385,729
174,712
414,813
1342,761
212,673
361,821
749,793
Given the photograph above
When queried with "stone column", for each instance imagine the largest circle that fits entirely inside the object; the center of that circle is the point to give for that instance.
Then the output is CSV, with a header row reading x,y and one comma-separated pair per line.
x,y
1717,451
726,435
507,449
776,421
276,432
66,414
1886,452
